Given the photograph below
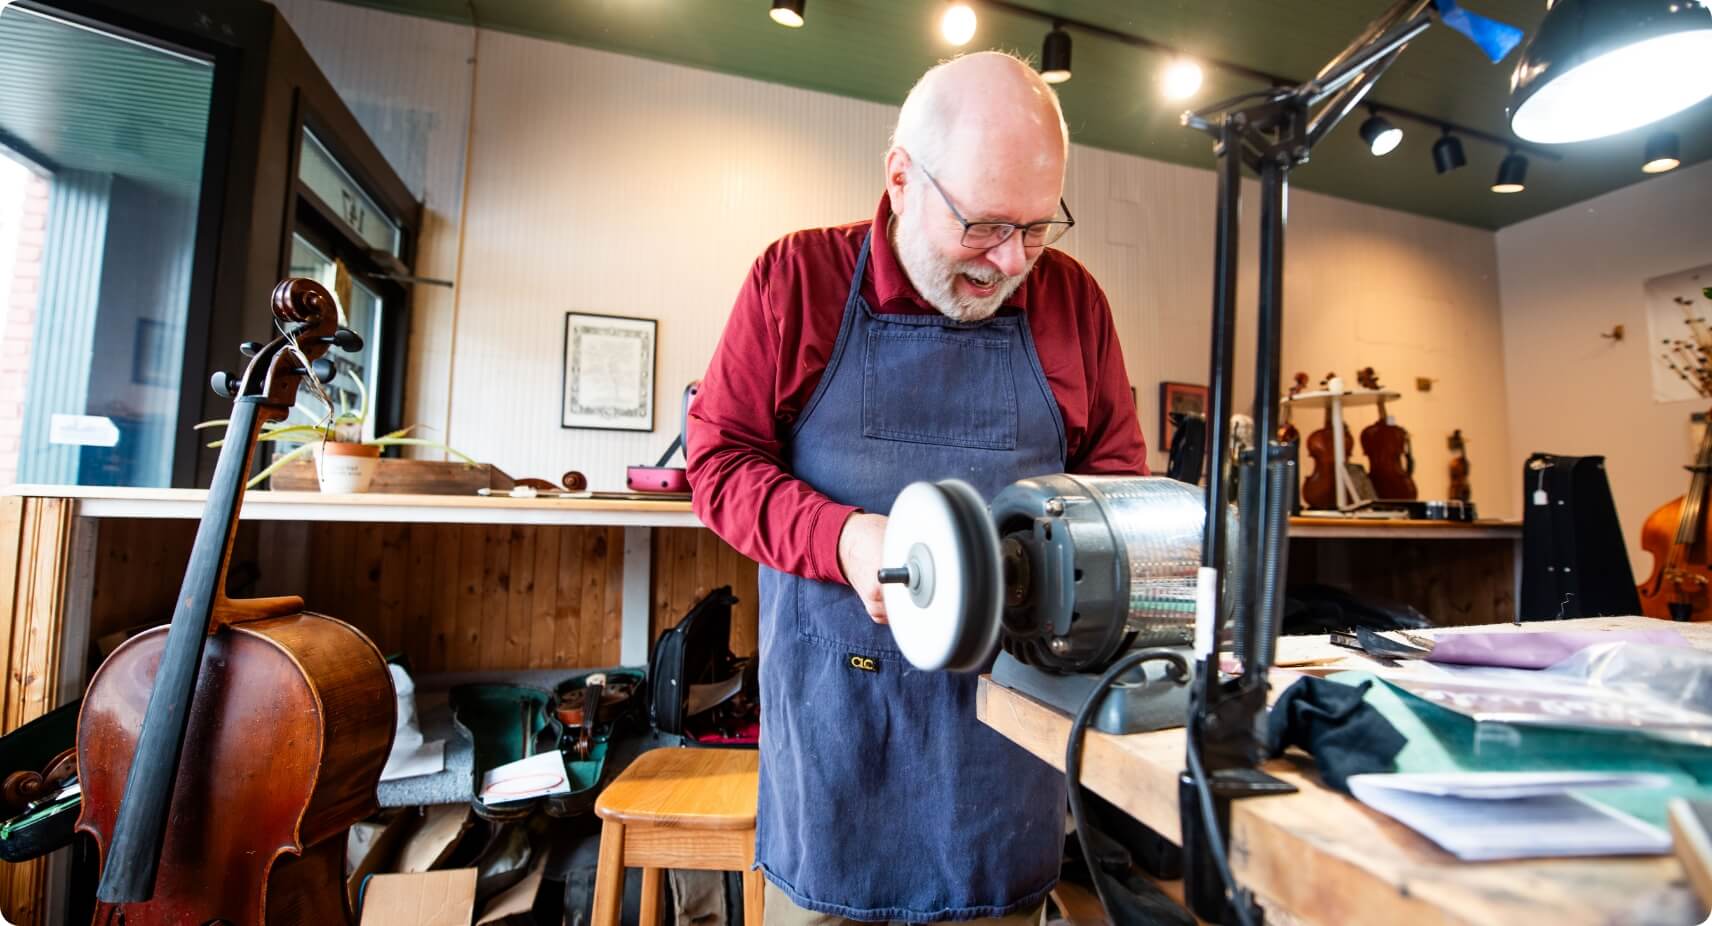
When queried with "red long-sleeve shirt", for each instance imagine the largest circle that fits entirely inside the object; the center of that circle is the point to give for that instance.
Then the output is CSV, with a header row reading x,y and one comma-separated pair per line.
x,y
775,348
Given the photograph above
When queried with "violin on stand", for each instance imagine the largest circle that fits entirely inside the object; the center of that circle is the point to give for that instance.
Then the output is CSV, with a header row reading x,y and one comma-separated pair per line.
x,y
1459,489
1390,457
1319,490
1676,535
223,757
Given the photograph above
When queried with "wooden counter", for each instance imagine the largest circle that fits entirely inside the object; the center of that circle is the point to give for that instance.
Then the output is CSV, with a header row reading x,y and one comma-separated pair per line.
x,y
1317,856
111,502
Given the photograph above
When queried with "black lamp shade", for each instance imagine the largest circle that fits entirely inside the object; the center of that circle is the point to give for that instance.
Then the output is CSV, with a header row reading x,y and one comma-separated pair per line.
x,y
1380,135
1055,57
1663,153
1598,67
1447,154
1512,175
788,12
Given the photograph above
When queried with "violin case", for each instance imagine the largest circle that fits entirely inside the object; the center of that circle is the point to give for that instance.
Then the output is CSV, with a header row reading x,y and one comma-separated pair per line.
x,y
506,722
36,827
1574,563
698,690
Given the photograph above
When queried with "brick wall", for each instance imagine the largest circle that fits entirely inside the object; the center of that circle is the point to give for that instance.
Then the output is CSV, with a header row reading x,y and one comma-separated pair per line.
x,y
20,328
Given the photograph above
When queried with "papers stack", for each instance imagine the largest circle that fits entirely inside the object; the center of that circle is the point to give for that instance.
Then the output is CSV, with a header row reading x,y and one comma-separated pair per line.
x,y
1486,816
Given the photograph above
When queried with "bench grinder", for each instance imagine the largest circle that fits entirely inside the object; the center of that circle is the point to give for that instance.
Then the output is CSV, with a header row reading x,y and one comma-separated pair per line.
x,y
1066,572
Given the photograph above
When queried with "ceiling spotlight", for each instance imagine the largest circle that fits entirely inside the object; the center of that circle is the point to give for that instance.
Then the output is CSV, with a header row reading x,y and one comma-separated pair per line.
x,y
1182,79
958,24
1598,67
788,13
1662,153
1512,174
1447,153
1055,56
1381,136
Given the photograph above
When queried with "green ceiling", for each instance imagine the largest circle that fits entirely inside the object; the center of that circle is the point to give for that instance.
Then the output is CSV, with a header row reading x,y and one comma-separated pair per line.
x,y
874,50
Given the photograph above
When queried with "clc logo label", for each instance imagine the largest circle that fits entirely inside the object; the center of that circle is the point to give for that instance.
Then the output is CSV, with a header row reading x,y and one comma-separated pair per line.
x,y
865,663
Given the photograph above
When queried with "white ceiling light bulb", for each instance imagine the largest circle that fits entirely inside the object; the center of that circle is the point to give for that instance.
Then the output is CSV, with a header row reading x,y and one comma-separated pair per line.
x,y
1182,79
958,24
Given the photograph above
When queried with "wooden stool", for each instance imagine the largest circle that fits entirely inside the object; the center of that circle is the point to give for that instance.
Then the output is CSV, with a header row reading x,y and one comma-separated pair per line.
x,y
677,808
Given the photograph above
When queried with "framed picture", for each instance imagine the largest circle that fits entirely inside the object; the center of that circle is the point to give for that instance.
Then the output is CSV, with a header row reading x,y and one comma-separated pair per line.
x,y
609,373
1182,398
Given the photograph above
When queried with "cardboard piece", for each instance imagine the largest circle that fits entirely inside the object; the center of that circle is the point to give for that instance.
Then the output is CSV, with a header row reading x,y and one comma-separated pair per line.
x,y
518,898
370,848
441,827
434,898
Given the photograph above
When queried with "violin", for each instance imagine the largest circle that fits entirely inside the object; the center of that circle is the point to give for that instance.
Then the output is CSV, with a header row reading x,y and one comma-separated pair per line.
x,y
1319,490
1459,490
224,756
1287,430
1390,458
1676,535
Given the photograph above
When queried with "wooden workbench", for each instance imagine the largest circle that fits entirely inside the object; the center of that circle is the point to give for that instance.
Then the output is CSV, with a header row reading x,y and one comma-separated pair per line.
x,y
1320,857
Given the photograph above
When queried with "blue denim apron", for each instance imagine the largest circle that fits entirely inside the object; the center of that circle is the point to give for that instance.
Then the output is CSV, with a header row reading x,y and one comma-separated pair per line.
x,y
882,797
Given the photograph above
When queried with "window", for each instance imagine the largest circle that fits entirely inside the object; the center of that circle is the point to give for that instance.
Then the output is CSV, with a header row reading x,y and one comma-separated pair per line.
x,y
102,140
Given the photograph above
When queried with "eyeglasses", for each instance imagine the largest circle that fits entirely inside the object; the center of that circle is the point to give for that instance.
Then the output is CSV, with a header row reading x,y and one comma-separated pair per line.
x,y
981,236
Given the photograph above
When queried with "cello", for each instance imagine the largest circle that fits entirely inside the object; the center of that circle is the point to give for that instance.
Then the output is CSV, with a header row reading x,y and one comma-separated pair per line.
x,y
1319,490
1390,459
1676,535
224,756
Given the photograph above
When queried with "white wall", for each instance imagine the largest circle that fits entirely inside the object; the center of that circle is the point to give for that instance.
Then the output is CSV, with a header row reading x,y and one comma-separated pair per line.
x,y
604,183
1567,277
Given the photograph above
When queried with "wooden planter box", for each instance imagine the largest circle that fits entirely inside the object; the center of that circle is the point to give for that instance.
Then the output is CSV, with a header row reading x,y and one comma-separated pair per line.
x,y
403,477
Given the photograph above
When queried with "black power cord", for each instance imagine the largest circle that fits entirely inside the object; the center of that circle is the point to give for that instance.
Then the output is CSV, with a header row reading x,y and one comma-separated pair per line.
x,y
1178,672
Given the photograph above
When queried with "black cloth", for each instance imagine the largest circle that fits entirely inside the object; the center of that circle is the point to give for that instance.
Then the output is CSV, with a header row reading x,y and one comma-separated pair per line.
x,y
1330,721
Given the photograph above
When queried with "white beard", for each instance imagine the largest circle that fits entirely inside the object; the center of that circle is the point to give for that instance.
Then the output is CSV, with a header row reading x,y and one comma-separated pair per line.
x,y
935,277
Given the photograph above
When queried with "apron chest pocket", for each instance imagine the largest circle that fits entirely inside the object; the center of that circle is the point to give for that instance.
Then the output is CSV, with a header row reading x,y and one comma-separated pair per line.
x,y
952,388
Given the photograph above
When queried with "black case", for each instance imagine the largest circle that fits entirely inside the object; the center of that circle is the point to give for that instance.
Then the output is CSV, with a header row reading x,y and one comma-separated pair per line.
x,y
1574,562
695,652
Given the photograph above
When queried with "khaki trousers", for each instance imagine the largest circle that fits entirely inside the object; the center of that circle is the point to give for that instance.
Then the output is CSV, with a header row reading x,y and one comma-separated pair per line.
x,y
780,911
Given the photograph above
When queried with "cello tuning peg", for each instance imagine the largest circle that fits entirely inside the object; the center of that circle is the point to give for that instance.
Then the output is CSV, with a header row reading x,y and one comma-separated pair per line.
x,y
346,340
224,384
250,348
324,370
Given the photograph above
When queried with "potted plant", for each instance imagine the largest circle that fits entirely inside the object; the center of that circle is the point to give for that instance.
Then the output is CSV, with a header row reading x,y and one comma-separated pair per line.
x,y
345,461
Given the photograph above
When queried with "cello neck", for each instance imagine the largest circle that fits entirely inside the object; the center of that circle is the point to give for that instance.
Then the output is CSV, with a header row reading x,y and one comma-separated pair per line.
x,y
128,874
1689,520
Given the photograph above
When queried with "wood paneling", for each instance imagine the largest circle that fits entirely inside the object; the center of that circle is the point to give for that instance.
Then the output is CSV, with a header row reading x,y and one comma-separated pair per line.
x,y
36,537
451,597
1451,582
689,563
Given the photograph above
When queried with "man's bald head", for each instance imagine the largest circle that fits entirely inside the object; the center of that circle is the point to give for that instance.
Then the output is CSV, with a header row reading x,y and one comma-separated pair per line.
x,y
979,140
979,105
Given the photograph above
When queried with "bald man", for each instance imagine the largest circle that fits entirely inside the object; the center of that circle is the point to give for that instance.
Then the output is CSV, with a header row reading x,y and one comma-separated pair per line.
x,y
944,338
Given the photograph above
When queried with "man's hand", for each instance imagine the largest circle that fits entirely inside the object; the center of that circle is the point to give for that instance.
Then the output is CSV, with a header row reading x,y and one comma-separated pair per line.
x,y
859,556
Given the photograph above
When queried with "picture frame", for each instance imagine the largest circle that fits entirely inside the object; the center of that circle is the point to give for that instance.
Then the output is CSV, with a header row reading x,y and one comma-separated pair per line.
x,y
609,372
1178,397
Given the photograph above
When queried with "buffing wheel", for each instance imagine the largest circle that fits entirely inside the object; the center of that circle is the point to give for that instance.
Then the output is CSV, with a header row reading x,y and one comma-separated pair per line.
x,y
944,591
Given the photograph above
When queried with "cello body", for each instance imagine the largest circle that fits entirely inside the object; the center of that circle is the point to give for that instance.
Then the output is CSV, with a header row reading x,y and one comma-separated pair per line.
x,y
223,757
1680,575
289,728
1676,535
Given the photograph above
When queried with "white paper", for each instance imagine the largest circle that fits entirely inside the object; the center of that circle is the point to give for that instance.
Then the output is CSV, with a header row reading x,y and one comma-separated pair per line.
x,y
1506,785
422,758
1469,816
83,431
540,775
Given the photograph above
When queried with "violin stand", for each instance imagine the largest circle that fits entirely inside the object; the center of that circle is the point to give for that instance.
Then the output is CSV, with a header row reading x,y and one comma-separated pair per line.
x,y
1349,502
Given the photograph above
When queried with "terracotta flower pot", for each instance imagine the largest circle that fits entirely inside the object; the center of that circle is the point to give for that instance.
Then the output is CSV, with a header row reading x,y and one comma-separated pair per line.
x,y
343,467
